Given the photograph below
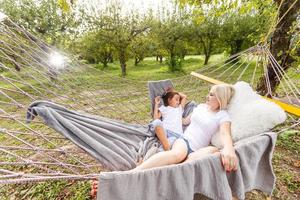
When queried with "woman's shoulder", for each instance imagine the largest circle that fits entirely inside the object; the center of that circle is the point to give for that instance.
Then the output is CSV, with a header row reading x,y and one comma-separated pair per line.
x,y
201,105
223,113
223,116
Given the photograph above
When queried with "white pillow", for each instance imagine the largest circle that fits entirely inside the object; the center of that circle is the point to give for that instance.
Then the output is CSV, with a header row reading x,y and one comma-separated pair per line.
x,y
250,114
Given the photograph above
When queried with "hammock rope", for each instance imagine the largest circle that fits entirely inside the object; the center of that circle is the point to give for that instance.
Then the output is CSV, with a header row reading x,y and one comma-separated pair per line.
x,y
277,20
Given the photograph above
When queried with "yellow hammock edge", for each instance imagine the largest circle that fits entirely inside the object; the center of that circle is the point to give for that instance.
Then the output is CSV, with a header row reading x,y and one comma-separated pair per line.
x,y
287,107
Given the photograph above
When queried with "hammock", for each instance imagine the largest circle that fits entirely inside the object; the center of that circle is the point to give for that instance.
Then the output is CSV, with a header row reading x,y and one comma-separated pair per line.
x,y
117,145
34,152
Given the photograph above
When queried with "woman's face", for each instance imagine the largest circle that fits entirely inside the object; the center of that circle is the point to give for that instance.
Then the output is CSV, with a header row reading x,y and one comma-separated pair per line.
x,y
212,101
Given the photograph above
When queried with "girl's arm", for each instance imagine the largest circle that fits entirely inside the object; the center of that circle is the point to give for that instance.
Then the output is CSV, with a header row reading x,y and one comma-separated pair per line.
x,y
228,156
183,99
156,112
162,137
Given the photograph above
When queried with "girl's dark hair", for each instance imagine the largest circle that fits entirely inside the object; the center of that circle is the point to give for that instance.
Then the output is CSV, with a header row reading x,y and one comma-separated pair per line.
x,y
168,95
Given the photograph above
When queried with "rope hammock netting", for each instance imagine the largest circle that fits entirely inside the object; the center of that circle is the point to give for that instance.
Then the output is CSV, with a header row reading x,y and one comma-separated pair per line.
x,y
34,152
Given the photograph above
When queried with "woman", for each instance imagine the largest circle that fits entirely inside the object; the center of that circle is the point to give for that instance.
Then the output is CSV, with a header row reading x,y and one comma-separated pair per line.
x,y
205,121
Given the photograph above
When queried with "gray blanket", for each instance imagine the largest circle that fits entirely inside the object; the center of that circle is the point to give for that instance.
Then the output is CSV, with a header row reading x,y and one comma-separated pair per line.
x,y
116,145
205,176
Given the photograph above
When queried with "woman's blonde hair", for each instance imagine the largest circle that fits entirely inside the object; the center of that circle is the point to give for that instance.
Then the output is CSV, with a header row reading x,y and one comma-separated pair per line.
x,y
224,93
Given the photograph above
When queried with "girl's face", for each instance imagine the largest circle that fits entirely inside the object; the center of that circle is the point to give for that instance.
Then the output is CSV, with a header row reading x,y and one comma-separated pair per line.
x,y
175,101
212,101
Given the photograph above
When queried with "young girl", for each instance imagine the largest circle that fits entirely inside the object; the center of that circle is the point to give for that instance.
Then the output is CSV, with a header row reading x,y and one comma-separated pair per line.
x,y
168,117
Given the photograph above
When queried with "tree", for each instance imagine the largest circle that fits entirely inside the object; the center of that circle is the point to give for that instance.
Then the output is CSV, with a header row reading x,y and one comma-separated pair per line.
x,y
95,47
280,38
240,31
207,34
140,48
121,29
43,18
169,31
281,43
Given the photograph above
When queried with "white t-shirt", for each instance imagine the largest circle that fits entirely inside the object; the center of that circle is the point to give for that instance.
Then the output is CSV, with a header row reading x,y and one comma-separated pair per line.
x,y
172,118
204,123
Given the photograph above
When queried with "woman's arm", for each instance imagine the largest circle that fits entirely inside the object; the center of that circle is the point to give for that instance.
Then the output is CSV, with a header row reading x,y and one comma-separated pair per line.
x,y
228,156
156,112
186,120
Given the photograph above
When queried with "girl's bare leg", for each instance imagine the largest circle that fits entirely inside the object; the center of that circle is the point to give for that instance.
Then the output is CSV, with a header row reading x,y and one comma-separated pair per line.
x,y
201,153
176,155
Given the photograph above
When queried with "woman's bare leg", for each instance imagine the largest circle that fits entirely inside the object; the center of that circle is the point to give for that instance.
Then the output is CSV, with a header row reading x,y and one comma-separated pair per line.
x,y
201,153
176,155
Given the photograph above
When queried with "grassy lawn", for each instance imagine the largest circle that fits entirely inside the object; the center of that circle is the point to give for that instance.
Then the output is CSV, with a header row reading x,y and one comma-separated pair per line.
x,y
94,87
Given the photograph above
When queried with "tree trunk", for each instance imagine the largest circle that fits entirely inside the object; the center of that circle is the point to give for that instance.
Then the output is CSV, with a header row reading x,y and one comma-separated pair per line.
x,y
122,59
206,49
206,59
104,65
136,61
207,52
280,45
160,59
104,59
236,47
172,63
111,58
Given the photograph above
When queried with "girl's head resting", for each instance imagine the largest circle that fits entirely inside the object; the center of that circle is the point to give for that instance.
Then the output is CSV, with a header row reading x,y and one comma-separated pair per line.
x,y
171,98
219,96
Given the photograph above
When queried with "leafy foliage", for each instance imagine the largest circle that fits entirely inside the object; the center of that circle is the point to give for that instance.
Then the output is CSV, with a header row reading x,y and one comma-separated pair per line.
x,y
44,18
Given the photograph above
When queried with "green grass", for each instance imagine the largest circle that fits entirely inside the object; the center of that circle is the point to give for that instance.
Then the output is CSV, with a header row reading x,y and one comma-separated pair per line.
x,y
291,140
53,190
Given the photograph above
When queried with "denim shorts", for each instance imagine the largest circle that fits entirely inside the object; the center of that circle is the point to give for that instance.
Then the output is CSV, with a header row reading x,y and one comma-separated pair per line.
x,y
172,136
190,150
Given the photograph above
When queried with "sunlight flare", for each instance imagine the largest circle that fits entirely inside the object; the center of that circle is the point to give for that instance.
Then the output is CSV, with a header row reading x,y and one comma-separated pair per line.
x,y
57,60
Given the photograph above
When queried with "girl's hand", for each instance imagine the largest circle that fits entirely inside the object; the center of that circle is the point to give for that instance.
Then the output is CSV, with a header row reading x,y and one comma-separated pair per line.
x,y
157,100
229,159
182,95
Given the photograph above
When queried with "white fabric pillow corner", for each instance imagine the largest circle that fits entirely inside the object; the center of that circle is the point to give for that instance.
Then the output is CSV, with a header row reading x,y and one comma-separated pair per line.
x,y
250,114
256,117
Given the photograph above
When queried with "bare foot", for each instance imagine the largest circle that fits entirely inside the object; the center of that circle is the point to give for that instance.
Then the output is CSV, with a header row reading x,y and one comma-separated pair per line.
x,y
94,186
140,161
234,198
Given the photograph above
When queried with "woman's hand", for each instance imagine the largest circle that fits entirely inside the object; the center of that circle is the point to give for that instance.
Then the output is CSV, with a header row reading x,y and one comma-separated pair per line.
x,y
228,156
229,159
186,120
